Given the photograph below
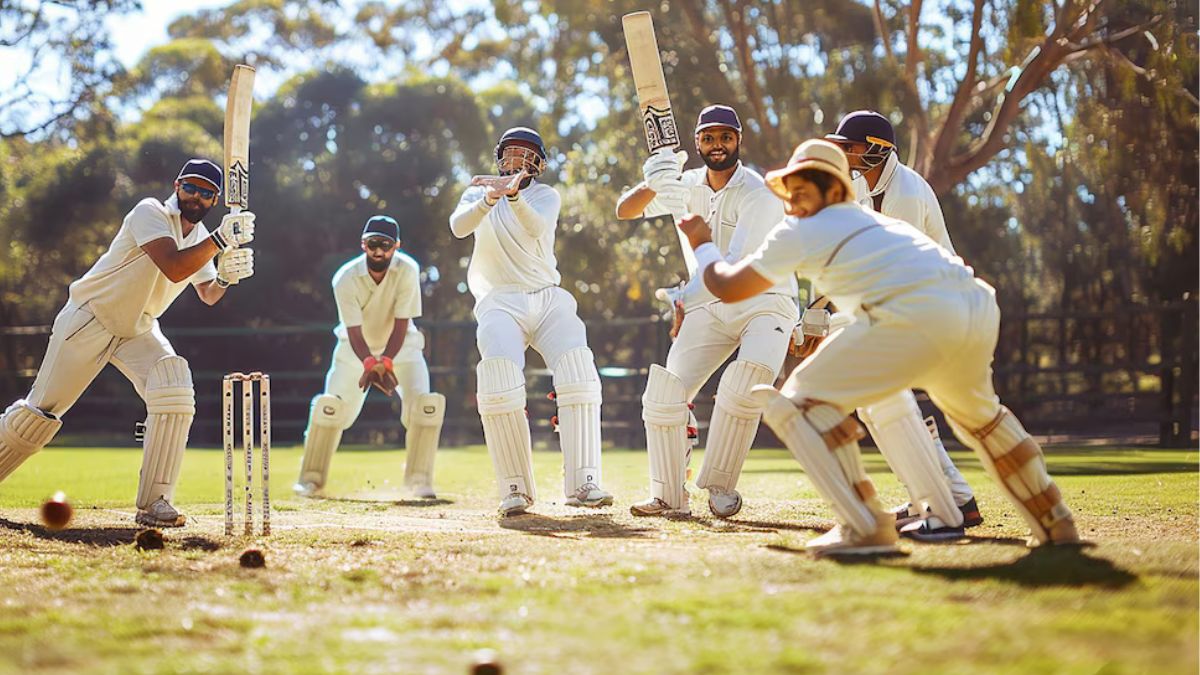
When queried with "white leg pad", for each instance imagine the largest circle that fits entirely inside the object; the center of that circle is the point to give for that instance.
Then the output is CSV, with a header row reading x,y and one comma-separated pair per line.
x,y
423,433
23,431
170,408
734,424
1015,461
326,422
577,392
825,442
958,485
904,441
665,412
501,395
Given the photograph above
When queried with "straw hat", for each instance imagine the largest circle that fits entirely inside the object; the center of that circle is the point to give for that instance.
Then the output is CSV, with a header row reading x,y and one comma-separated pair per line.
x,y
813,154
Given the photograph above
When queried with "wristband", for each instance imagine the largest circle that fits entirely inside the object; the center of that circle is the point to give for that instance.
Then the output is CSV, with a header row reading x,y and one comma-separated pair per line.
x,y
387,362
221,283
706,254
369,363
488,204
513,198
217,239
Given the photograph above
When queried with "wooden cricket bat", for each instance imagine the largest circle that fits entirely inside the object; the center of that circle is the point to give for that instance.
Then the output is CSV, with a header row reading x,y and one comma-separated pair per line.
x,y
237,138
658,122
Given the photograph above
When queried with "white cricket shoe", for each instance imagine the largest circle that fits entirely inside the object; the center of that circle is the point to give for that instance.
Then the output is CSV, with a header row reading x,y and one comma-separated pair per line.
x,y
657,507
843,540
160,513
515,504
423,492
306,488
590,495
724,503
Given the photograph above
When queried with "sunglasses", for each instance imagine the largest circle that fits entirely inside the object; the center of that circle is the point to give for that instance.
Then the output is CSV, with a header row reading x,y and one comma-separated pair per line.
x,y
191,189
380,244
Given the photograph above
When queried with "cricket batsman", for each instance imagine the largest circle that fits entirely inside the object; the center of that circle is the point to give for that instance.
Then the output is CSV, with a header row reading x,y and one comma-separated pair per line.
x,y
111,316
378,295
514,278
707,330
922,320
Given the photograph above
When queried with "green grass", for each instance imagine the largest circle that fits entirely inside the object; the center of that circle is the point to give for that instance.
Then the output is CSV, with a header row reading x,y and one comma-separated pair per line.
x,y
373,582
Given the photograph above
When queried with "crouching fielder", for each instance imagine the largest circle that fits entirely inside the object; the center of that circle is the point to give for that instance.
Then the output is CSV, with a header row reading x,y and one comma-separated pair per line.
x,y
514,277
378,295
924,320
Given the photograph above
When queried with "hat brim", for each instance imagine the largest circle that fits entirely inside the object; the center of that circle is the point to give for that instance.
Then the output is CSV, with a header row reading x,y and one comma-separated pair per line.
x,y
709,125
381,235
774,179
206,179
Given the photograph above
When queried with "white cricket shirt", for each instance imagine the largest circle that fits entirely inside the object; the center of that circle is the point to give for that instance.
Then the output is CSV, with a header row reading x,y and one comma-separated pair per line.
x,y
125,289
908,197
514,241
375,307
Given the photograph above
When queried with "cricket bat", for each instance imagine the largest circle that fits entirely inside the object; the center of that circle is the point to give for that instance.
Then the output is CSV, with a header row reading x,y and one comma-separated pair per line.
x,y
237,138
658,122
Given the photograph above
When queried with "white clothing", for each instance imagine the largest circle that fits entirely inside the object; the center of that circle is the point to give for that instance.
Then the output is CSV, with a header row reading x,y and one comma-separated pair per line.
x,y
412,375
375,307
514,240
907,197
511,322
125,290
741,214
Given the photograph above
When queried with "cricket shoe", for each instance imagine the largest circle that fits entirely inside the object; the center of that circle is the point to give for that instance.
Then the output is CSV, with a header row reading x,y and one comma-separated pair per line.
x,y
905,515
657,507
1062,533
724,503
843,540
308,489
423,492
515,504
932,530
591,496
160,513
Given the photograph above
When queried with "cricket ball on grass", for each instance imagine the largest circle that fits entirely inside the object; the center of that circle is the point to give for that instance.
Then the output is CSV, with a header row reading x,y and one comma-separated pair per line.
x,y
252,557
57,511
486,663
149,540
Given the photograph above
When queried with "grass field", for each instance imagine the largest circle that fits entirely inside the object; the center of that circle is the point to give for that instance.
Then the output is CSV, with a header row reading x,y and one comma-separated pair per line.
x,y
369,581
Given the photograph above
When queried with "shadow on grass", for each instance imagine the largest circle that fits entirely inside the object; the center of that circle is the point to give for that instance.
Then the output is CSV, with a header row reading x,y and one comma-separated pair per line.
x,y
599,526
419,503
844,558
1045,566
92,536
736,525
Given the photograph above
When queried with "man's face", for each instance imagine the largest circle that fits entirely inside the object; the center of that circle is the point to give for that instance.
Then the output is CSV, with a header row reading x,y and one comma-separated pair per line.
x,y
804,197
854,152
379,252
517,156
719,147
196,196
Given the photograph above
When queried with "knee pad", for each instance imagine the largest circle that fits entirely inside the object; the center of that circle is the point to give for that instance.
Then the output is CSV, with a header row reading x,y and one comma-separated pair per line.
x,y
328,410
500,386
169,387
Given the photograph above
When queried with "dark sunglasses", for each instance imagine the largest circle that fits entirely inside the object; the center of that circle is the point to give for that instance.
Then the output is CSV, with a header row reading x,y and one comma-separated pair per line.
x,y
380,244
191,189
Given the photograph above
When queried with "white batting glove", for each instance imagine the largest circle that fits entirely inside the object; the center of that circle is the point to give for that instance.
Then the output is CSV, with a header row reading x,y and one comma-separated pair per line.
x,y
235,230
663,168
672,198
234,265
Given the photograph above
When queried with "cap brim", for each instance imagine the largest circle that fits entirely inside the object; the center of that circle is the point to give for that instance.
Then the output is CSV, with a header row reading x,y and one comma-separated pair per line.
x,y
838,138
774,179
381,235
206,179
709,125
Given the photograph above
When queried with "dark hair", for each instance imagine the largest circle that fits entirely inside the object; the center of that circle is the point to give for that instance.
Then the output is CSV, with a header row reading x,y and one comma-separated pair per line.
x,y
822,179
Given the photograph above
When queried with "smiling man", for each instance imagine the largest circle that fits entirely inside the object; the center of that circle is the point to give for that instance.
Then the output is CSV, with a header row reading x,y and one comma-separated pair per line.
x,y
111,316
922,319
378,295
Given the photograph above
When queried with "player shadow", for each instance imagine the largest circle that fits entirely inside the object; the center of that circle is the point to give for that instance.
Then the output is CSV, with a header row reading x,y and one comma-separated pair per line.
x,y
743,525
90,536
597,526
1045,566
843,559
419,503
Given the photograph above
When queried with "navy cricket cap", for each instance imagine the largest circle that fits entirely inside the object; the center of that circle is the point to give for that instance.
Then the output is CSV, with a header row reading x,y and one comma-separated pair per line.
x,y
381,226
718,116
864,126
202,169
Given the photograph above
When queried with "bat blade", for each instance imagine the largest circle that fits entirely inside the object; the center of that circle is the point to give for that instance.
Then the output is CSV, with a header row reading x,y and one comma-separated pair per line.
x,y
237,138
658,121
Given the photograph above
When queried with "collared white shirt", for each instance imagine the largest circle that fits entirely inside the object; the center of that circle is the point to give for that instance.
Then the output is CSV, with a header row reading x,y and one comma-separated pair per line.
x,y
740,215
125,289
375,307
907,196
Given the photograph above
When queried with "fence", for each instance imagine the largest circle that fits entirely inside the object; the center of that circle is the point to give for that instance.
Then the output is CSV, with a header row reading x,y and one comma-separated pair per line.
x,y
1130,375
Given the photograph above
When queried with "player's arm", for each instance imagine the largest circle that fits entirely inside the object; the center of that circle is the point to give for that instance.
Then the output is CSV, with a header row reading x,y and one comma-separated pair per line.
x,y
472,209
210,292
537,215
662,180
396,339
633,202
176,263
729,282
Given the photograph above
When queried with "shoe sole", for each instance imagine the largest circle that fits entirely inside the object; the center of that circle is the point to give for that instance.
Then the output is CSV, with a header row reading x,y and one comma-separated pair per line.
x,y
855,550
607,501
150,521
660,514
950,534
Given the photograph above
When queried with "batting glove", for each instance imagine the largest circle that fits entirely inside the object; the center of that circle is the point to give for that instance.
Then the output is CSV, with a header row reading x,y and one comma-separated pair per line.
x,y
663,168
672,198
234,265
236,229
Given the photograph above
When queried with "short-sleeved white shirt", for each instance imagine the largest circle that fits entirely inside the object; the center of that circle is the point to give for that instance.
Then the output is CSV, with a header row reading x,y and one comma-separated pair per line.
x,y
125,289
375,307
740,215
857,256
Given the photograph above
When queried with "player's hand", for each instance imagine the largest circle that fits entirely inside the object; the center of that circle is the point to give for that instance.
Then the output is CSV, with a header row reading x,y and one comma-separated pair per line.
x,y
802,346
497,190
695,229
673,198
663,168
677,320
234,265
236,229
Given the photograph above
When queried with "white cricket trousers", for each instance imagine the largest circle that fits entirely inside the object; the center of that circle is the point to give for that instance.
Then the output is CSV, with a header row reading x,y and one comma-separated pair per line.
x,y
512,321
412,375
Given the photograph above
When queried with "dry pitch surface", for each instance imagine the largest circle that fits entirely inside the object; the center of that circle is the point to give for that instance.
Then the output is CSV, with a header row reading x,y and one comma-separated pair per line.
x,y
369,581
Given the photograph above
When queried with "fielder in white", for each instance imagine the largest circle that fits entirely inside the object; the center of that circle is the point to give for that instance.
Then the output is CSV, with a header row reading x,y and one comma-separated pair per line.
x,y
378,295
922,320
708,330
884,184
514,277
111,316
